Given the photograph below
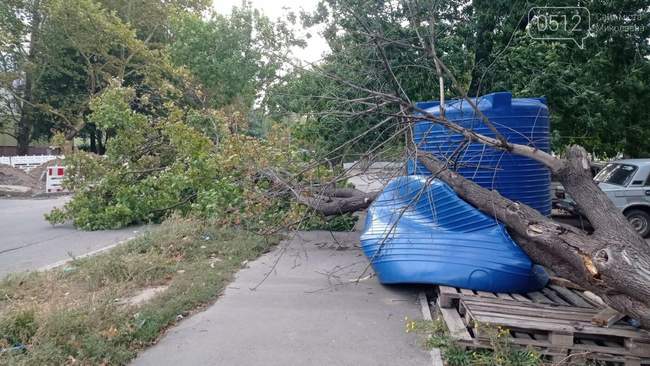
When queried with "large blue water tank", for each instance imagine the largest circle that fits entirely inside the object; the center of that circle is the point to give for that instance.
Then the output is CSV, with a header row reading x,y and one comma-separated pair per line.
x,y
521,120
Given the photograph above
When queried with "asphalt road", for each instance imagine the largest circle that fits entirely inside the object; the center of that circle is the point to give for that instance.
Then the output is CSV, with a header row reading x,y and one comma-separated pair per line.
x,y
28,242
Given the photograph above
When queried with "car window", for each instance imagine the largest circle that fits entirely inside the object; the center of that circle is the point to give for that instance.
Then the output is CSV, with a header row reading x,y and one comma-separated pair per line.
x,y
647,181
616,173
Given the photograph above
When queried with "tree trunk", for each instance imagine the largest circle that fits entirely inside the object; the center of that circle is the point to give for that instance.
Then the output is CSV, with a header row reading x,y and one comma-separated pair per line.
x,y
24,130
93,142
26,122
101,148
613,262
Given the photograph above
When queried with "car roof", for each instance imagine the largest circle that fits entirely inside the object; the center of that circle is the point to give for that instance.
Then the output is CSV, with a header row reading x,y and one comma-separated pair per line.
x,y
633,161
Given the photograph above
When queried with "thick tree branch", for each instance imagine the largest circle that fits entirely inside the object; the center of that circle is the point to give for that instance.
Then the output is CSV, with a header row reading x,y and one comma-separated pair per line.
x,y
326,200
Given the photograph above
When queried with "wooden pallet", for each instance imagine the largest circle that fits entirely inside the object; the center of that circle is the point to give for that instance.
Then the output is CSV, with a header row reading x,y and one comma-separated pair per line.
x,y
557,321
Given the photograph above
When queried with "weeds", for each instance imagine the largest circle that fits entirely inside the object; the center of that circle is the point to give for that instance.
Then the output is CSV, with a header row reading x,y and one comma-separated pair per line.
x,y
502,353
77,313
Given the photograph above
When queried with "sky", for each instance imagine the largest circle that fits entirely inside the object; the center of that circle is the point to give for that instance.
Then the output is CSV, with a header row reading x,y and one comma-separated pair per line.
x,y
316,45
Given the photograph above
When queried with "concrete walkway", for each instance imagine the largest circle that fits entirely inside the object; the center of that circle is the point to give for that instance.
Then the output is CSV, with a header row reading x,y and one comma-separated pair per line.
x,y
307,312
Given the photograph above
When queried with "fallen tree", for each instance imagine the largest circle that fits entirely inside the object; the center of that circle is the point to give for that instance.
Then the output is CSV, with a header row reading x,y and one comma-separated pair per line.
x,y
613,262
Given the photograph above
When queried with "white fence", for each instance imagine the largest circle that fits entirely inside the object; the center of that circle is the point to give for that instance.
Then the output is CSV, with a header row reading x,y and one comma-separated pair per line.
x,y
27,162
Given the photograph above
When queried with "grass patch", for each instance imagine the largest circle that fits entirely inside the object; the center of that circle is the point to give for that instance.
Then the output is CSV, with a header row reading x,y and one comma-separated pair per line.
x,y
78,314
436,335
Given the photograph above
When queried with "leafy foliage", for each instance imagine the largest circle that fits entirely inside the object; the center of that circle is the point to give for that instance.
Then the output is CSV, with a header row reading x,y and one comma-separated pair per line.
x,y
235,57
150,167
597,95
57,55
154,166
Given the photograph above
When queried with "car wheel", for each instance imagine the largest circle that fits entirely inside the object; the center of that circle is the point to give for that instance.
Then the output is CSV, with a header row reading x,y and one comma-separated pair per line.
x,y
640,221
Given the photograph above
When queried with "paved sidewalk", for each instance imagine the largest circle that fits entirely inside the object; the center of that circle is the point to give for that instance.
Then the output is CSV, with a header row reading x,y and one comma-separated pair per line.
x,y
307,312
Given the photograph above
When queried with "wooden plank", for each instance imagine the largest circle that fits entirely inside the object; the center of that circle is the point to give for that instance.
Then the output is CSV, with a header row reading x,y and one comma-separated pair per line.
x,y
561,343
554,296
486,294
522,322
538,297
632,361
446,296
637,348
455,324
571,297
540,314
604,353
591,346
503,296
532,306
595,352
543,322
521,298
516,322
465,291
607,317
561,339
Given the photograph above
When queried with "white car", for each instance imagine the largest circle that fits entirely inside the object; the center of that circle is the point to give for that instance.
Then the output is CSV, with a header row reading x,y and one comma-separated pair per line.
x,y
627,183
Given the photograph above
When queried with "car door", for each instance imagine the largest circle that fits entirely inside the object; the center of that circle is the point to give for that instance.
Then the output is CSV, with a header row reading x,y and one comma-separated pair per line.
x,y
646,191
638,191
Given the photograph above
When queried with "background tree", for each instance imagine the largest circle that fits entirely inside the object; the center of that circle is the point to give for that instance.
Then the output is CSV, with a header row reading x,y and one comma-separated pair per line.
x,y
58,54
235,57
596,94
20,25
329,118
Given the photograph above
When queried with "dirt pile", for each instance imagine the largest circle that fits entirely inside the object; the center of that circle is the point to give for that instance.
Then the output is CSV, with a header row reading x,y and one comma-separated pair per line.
x,y
15,177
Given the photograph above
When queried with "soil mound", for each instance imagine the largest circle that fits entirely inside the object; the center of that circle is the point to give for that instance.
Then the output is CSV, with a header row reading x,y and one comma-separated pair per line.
x,y
15,177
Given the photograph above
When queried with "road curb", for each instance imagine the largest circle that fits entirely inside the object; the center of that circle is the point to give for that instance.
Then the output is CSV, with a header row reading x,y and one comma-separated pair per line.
x,y
436,356
89,254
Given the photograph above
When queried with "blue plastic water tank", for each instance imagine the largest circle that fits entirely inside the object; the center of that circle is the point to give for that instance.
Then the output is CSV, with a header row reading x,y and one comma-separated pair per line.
x,y
419,231
521,120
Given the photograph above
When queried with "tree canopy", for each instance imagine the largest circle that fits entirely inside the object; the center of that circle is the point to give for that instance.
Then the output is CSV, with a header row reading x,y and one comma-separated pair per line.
x,y
596,94
124,78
